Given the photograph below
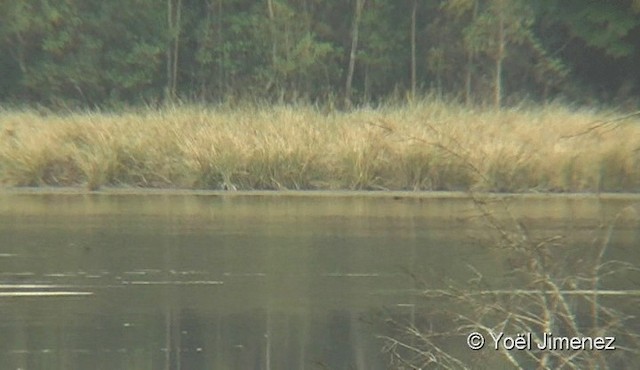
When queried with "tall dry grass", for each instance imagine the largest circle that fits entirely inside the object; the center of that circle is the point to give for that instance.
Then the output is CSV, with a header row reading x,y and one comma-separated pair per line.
x,y
429,145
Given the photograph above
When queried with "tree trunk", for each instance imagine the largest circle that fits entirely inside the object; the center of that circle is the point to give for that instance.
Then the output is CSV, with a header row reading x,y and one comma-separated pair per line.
x,y
413,49
176,48
272,30
499,59
367,84
274,45
222,73
306,83
169,86
173,21
352,55
470,58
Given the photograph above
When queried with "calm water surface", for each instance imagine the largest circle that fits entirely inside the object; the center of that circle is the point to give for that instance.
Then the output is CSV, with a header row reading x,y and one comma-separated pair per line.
x,y
210,281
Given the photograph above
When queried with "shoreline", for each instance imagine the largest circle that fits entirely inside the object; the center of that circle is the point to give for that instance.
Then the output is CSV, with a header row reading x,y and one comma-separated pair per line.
x,y
124,191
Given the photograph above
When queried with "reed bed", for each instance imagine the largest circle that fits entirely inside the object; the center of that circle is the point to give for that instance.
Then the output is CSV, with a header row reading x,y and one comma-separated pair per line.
x,y
429,145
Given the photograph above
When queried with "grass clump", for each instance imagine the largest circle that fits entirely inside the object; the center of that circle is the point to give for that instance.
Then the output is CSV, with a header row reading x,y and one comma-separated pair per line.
x,y
429,145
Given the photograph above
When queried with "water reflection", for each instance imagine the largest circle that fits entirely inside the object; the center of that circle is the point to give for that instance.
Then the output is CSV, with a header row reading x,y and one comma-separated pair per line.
x,y
237,282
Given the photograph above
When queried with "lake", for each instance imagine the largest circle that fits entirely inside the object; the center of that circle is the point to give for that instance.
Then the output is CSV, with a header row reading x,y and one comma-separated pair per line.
x,y
210,280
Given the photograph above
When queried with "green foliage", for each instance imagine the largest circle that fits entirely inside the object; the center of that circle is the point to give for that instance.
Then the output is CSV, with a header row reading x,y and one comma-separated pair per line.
x,y
119,52
84,53
601,24
384,40
481,35
298,57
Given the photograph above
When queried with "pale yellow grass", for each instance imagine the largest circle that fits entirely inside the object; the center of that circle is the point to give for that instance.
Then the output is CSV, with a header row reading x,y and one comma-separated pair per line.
x,y
426,146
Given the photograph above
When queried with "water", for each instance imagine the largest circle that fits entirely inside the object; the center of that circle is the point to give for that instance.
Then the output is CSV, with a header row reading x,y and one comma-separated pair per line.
x,y
214,281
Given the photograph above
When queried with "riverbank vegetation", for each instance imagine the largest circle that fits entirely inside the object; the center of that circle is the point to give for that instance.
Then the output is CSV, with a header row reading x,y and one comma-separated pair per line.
x,y
424,145
317,66
92,53
556,286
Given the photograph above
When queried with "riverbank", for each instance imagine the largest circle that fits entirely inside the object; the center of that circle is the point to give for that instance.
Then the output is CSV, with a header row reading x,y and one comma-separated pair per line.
x,y
429,146
330,194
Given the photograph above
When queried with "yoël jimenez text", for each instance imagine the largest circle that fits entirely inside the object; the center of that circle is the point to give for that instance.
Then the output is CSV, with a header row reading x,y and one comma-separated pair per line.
x,y
549,342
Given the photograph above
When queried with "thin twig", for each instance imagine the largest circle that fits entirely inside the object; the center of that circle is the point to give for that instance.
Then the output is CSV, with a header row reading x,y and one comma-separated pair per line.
x,y
598,124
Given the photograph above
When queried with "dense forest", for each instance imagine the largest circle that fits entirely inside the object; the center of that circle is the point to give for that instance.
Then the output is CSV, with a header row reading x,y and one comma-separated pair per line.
x,y
108,54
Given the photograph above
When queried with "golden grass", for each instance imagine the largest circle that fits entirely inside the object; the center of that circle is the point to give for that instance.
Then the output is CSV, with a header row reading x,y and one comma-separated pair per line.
x,y
429,145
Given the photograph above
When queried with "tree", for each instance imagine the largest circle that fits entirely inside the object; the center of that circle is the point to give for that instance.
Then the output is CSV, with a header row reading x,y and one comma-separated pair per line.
x,y
298,57
174,15
15,29
414,10
598,40
103,53
357,14
384,49
500,23
84,53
